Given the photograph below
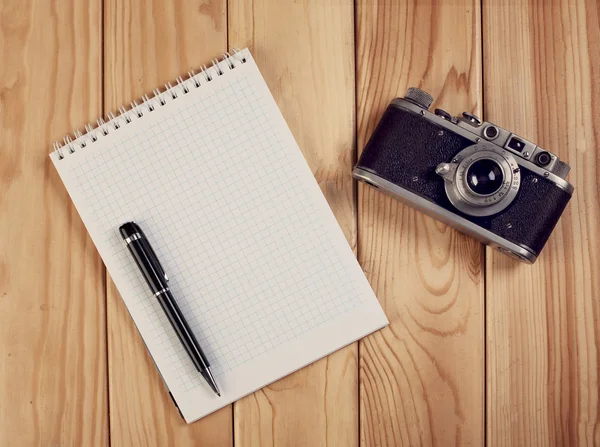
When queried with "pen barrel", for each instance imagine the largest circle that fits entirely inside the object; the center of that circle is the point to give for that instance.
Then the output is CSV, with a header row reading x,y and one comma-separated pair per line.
x,y
147,263
183,330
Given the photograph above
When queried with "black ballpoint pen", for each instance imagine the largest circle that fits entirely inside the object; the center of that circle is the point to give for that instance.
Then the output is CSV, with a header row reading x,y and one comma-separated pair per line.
x,y
157,279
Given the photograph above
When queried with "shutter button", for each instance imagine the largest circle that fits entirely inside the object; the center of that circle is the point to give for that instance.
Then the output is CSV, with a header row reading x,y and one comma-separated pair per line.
x,y
443,114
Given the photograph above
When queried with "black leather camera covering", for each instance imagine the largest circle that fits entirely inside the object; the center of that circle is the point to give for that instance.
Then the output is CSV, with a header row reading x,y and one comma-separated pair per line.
x,y
405,150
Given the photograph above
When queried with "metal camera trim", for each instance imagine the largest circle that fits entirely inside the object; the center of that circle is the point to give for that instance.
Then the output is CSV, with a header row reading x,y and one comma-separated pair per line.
x,y
503,137
456,128
517,251
459,192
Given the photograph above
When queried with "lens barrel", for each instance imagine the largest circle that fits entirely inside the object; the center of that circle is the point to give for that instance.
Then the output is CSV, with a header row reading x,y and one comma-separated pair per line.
x,y
481,180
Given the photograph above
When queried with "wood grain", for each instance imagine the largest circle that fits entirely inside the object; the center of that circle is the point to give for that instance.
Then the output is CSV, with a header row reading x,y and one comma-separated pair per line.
x,y
421,379
52,302
147,44
542,80
305,53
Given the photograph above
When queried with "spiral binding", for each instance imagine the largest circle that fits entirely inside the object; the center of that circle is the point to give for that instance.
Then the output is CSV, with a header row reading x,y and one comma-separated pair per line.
x,y
81,140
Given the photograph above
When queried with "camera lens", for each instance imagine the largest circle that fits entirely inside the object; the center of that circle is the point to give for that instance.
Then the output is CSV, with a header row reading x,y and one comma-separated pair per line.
x,y
484,177
543,158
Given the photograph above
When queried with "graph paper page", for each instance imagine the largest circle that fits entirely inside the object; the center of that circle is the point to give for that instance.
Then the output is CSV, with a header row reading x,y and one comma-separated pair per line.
x,y
255,257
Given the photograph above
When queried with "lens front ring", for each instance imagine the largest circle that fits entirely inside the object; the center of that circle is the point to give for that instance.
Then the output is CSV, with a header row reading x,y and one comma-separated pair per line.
x,y
470,202
483,200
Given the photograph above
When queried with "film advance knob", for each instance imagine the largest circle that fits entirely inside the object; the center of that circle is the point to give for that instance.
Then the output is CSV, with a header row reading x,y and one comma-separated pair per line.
x,y
419,97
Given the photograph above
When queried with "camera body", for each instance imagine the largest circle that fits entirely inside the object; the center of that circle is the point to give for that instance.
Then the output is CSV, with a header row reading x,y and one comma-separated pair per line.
x,y
475,176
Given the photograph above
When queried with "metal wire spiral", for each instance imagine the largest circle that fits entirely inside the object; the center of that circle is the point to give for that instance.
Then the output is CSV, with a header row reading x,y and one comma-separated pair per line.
x,y
125,116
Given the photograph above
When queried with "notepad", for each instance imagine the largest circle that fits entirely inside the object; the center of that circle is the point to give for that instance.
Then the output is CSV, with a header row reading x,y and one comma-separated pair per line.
x,y
256,260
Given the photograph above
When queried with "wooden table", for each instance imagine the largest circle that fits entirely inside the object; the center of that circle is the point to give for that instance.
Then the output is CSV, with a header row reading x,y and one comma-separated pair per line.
x,y
480,350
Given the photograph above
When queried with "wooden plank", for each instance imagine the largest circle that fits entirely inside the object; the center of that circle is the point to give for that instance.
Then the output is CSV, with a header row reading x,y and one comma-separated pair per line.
x,y
305,52
421,379
542,81
148,44
52,301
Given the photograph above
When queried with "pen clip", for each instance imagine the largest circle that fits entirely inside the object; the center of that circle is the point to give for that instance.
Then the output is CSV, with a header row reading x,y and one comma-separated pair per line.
x,y
150,252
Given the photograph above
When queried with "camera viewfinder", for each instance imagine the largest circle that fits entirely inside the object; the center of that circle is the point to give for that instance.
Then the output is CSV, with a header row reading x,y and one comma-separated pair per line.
x,y
516,144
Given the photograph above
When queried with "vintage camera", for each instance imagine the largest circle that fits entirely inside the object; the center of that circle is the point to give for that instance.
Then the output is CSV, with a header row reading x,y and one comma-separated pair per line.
x,y
475,176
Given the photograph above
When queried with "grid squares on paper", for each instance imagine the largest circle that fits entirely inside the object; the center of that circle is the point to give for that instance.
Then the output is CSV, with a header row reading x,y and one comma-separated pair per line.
x,y
228,212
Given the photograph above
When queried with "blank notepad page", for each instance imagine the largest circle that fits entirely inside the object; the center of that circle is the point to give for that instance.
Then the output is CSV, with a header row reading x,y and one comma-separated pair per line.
x,y
255,258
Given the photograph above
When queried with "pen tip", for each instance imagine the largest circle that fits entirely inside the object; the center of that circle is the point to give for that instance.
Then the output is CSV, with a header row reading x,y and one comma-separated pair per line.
x,y
211,381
